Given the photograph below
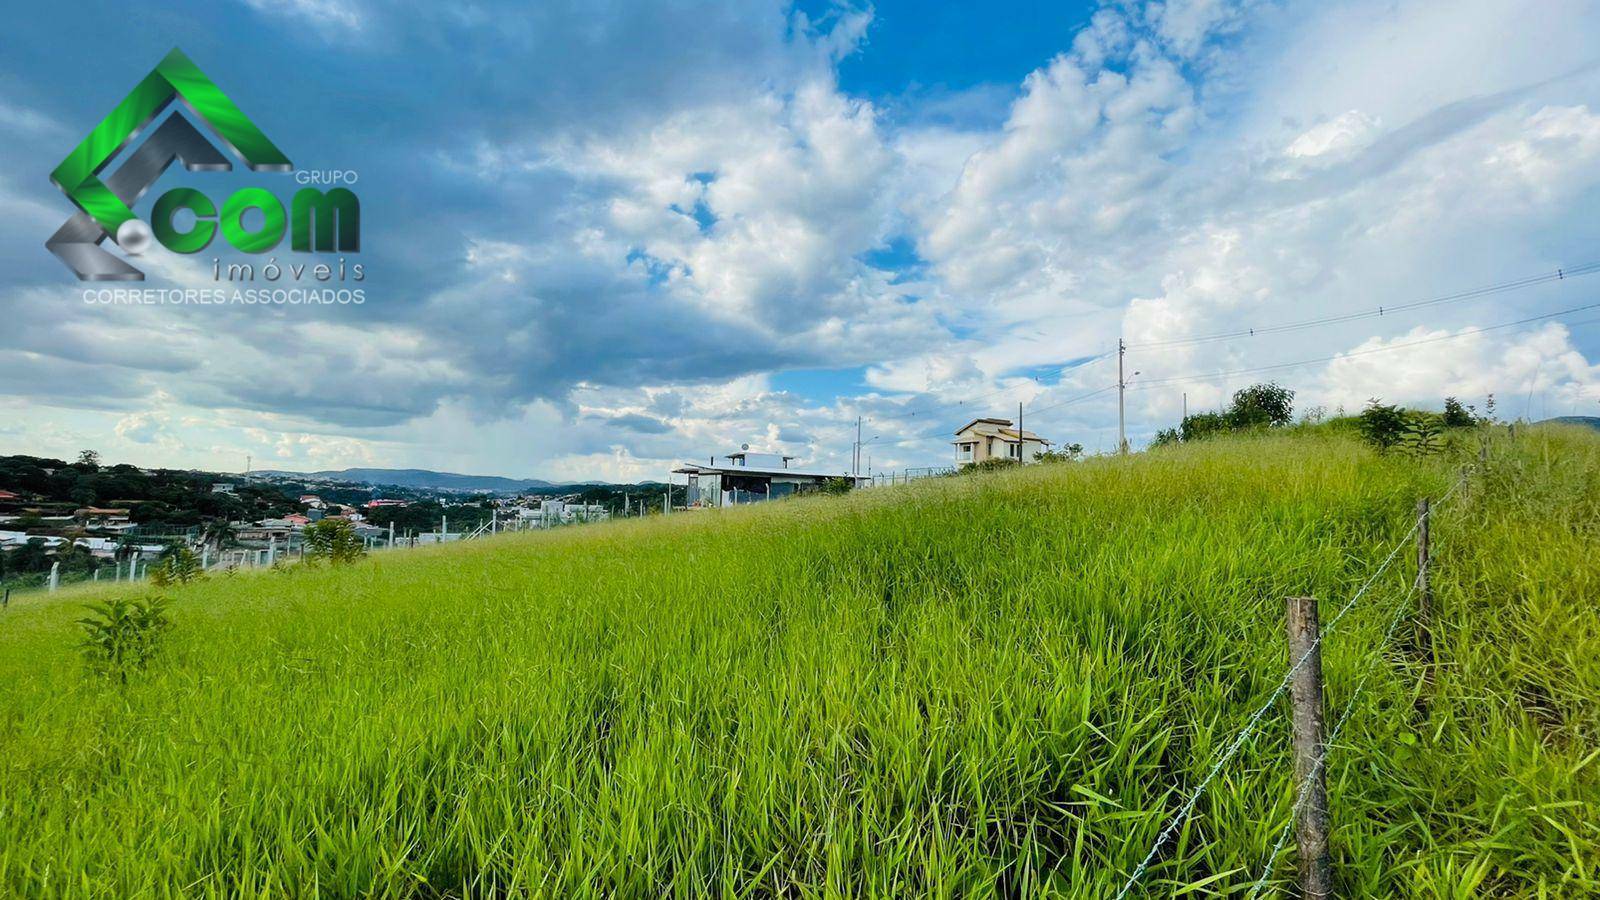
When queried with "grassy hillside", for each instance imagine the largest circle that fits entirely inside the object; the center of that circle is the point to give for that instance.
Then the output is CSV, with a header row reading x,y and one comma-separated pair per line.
x,y
964,686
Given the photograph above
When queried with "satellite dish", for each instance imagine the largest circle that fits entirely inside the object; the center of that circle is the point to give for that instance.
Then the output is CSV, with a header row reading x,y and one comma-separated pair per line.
x,y
744,446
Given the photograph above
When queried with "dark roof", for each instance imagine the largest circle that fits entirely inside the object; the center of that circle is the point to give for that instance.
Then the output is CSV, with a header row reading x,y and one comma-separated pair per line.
x,y
991,421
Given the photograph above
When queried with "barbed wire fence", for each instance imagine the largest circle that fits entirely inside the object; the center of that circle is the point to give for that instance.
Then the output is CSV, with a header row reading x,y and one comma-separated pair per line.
x,y
1311,772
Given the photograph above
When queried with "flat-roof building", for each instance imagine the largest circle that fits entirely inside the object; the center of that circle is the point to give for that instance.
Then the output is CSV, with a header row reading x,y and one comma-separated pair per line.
x,y
745,477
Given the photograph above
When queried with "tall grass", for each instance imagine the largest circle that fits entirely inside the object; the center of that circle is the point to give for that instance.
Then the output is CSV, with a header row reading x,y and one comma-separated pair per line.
x,y
1000,684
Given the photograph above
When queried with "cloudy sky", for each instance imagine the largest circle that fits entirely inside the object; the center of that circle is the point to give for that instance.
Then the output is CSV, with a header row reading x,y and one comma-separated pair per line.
x,y
602,237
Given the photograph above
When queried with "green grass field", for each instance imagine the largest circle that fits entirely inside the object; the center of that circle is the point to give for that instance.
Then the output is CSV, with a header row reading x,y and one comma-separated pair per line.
x,y
999,684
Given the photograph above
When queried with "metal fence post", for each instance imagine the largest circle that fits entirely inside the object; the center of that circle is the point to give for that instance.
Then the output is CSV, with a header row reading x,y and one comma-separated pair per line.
x,y
1311,828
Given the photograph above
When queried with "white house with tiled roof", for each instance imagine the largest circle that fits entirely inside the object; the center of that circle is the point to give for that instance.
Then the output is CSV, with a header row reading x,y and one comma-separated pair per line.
x,y
983,439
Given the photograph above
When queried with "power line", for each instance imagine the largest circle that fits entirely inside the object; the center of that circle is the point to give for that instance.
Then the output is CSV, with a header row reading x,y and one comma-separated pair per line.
x,y
1077,399
1560,274
1036,410
1076,364
1172,379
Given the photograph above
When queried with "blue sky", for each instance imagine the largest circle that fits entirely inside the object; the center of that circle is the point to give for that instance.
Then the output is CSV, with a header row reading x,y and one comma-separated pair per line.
x,y
600,239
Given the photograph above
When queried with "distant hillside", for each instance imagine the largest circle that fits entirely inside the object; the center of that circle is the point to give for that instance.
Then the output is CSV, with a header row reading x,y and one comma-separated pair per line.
x,y
1591,421
429,480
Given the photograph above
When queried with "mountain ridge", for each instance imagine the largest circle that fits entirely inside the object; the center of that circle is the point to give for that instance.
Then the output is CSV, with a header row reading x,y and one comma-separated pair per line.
x,y
431,479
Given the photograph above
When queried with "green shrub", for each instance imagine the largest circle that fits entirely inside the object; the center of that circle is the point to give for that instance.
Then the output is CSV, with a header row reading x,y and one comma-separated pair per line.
x,y
1423,434
1203,425
838,486
1268,405
122,635
1067,453
1456,415
1261,406
992,464
178,565
334,540
1382,426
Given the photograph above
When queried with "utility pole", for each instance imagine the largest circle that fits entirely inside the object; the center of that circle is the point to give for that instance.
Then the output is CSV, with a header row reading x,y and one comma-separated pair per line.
x,y
1185,405
1122,391
855,461
1020,442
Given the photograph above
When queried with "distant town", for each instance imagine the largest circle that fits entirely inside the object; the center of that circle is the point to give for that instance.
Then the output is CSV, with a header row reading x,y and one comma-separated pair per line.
x,y
83,520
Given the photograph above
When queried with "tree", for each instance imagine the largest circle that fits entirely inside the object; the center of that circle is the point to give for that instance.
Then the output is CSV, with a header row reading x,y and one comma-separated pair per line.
x,y
74,558
1203,425
32,556
83,494
1066,453
1166,437
1382,426
1269,405
89,460
1456,415
334,540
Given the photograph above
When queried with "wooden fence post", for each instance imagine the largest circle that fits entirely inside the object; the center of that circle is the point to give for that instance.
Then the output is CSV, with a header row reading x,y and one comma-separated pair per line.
x,y
1424,589
1311,828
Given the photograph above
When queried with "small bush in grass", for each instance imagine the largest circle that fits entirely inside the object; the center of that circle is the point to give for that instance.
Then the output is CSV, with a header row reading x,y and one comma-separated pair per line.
x,y
992,464
1203,425
838,486
122,635
1423,434
179,565
1066,453
1456,415
334,540
1382,426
